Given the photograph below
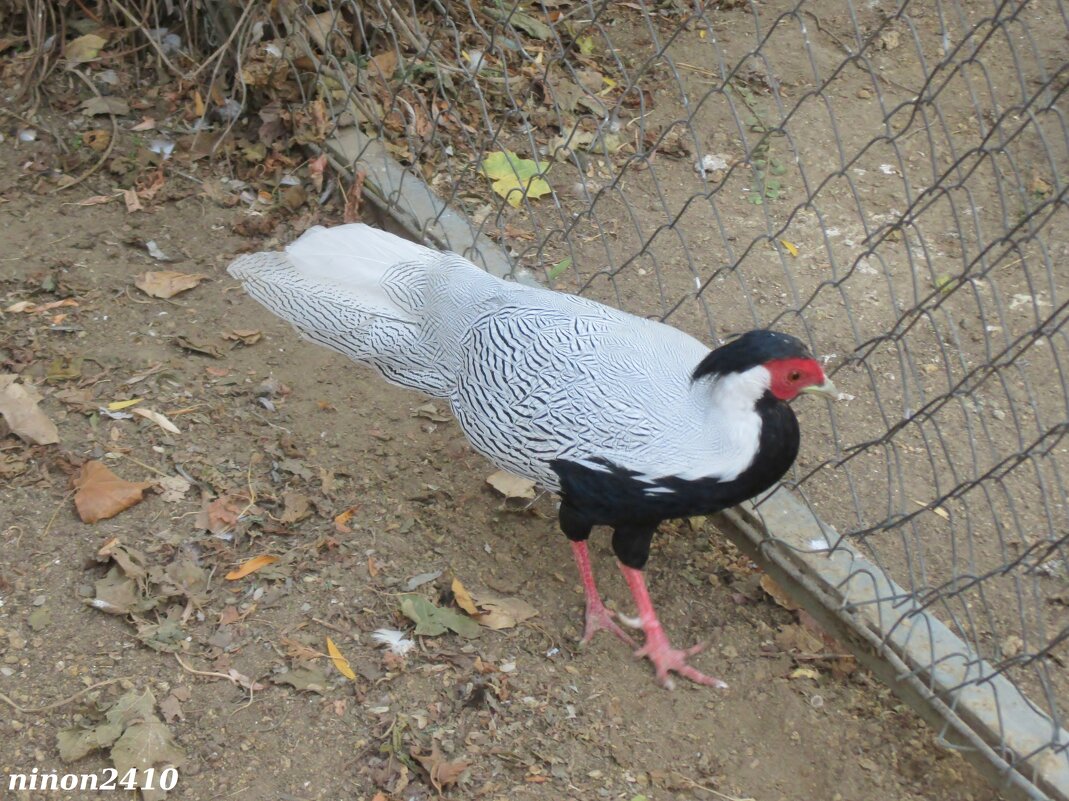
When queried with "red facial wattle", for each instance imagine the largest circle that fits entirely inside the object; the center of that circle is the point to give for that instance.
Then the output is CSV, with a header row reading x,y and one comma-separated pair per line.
x,y
792,376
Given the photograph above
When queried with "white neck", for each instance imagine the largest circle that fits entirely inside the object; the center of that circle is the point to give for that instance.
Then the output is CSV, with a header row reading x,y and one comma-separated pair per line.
x,y
732,426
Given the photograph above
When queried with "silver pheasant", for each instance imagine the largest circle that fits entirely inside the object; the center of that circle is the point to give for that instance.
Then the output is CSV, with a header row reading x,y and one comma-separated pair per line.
x,y
631,420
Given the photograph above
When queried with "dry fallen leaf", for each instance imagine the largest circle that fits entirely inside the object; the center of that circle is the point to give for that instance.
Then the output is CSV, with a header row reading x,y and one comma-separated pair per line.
x,y
251,566
512,486
223,515
132,201
502,612
18,406
464,599
84,48
441,772
245,336
339,660
158,419
167,283
297,507
797,639
29,307
341,521
776,592
102,494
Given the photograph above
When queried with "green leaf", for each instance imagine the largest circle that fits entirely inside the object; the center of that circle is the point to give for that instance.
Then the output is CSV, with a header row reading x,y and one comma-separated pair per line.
x,y
432,620
513,177
310,679
557,269
586,45
944,283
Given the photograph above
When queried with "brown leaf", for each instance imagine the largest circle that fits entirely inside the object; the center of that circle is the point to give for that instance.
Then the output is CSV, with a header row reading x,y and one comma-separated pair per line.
x,y
102,494
18,406
341,521
441,772
98,140
354,198
133,202
298,507
251,566
795,638
246,336
198,346
777,593
223,514
167,283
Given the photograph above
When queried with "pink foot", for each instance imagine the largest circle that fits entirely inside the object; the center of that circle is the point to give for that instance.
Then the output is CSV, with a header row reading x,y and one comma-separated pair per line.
x,y
598,616
601,618
666,659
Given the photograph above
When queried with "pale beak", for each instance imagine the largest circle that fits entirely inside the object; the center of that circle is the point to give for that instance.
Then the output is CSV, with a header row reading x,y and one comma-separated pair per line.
x,y
827,388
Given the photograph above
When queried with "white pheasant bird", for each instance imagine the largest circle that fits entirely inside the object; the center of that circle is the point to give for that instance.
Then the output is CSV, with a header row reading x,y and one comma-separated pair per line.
x,y
631,421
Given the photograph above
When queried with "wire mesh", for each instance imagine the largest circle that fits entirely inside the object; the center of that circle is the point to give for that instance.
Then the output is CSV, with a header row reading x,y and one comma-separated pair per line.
x,y
886,181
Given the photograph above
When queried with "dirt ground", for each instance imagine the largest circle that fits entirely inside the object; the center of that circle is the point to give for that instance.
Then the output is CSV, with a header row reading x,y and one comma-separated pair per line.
x,y
294,436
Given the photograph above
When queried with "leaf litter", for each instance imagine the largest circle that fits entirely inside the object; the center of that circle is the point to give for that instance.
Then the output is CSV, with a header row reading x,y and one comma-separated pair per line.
x,y
134,736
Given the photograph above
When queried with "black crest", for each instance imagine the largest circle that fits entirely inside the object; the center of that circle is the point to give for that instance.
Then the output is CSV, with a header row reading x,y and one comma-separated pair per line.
x,y
749,350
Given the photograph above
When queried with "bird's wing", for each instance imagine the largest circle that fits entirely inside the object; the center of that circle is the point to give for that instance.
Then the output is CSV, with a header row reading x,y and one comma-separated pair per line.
x,y
545,378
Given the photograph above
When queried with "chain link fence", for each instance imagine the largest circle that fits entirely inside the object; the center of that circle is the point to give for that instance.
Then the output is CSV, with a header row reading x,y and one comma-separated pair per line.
x,y
886,181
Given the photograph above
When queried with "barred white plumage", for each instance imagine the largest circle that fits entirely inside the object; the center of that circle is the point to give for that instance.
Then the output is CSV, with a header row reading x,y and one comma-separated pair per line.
x,y
631,420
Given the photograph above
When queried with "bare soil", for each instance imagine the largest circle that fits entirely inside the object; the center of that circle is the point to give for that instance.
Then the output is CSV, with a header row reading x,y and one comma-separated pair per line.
x,y
534,716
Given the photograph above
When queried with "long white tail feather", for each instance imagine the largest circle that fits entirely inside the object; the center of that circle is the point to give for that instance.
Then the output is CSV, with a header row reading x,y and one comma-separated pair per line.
x,y
362,292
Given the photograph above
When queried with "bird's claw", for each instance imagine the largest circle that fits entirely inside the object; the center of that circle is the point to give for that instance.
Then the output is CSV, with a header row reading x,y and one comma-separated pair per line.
x,y
601,618
667,660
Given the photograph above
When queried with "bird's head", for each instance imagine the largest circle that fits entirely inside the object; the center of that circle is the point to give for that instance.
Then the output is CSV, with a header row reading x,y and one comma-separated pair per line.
x,y
767,361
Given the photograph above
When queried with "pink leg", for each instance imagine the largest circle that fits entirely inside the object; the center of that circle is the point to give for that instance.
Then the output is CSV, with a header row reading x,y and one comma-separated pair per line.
x,y
598,617
665,659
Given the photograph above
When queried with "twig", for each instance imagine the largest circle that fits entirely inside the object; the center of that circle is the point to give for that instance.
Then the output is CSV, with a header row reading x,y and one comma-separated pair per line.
x,y
146,466
211,673
52,519
111,142
717,793
249,6
151,39
56,704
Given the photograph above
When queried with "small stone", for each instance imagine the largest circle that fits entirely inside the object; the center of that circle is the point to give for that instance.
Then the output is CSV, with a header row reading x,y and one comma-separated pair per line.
x,y
864,93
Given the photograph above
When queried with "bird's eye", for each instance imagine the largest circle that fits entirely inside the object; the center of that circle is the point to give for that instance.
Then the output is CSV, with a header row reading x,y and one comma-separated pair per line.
x,y
793,375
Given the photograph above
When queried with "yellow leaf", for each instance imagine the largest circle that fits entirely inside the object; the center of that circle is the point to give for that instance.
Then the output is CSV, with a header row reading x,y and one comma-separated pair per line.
x,y
84,48
464,600
340,662
610,84
514,177
790,246
115,406
804,673
251,566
